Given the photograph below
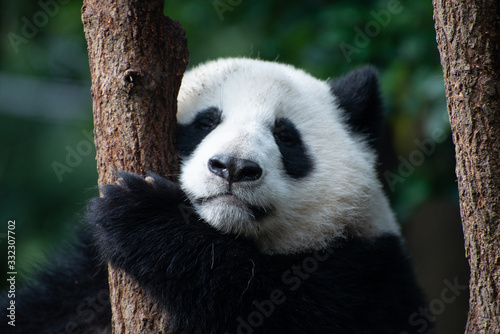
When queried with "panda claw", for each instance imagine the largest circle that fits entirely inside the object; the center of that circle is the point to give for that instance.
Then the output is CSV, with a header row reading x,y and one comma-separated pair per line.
x,y
150,180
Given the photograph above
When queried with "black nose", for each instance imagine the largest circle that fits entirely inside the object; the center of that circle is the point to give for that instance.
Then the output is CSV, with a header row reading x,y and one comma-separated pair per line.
x,y
234,169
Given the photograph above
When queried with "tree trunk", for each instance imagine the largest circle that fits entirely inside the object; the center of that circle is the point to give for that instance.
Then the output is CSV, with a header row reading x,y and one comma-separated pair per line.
x,y
468,36
137,58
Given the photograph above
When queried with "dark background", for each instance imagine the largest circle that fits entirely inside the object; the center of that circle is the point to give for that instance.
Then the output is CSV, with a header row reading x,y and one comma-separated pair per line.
x,y
47,166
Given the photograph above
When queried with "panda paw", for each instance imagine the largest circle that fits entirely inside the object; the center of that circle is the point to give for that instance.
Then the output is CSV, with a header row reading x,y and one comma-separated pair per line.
x,y
136,198
135,209
152,187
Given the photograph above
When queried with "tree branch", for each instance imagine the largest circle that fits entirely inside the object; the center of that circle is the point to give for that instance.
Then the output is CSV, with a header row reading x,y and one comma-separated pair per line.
x,y
137,58
468,36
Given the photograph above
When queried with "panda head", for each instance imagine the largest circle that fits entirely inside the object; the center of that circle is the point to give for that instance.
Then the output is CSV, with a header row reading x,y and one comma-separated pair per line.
x,y
274,155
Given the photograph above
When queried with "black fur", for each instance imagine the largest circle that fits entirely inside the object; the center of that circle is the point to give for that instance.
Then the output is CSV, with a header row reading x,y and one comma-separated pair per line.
x,y
69,296
216,283
358,94
220,283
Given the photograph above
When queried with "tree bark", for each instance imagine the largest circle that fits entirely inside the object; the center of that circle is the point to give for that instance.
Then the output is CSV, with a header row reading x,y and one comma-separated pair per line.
x,y
137,58
468,36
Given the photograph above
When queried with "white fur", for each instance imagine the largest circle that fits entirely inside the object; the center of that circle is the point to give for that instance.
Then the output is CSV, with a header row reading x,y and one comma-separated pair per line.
x,y
341,196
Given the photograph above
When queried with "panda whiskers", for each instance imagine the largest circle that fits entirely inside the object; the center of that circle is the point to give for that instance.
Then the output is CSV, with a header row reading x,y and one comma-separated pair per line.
x,y
250,280
213,257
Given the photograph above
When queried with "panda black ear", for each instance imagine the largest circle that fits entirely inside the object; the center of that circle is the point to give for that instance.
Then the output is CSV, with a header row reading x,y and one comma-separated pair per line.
x,y
358,94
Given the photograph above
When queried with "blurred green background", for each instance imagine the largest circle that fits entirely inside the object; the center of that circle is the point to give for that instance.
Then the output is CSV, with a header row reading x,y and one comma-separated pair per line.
x,y
47,166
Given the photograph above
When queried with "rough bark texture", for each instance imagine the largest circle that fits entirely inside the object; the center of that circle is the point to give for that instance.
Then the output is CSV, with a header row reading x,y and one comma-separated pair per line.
x,y
468,36
137,58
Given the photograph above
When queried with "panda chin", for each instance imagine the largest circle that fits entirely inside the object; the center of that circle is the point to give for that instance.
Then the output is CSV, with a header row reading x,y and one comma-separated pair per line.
x,y
230,214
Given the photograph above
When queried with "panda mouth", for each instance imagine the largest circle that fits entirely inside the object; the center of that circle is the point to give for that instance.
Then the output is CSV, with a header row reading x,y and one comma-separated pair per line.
x,y
257,212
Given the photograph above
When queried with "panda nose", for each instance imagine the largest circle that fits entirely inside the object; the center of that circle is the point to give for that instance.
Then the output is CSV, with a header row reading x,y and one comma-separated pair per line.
x,y
234,169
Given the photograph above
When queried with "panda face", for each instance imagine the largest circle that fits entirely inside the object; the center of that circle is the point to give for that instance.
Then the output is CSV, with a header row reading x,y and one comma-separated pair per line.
x,y
267,155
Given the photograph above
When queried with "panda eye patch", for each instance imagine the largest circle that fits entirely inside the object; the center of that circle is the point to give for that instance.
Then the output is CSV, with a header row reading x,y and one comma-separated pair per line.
x,y
208,119
294,154
190,135
285,132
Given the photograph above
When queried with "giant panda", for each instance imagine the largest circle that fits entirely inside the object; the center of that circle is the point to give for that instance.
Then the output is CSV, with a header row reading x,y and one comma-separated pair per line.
x,y
278,222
